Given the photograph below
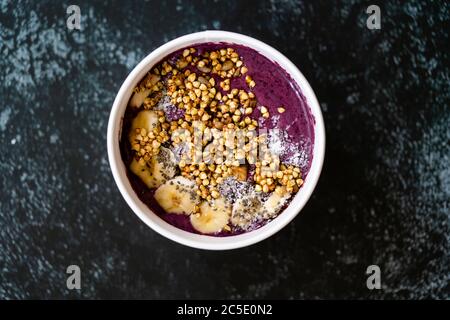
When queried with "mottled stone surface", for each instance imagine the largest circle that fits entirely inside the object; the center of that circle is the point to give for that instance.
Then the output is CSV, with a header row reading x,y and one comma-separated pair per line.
x,y
383,197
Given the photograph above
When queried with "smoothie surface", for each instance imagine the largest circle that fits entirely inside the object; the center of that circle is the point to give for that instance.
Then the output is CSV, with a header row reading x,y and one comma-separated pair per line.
x,y
291,133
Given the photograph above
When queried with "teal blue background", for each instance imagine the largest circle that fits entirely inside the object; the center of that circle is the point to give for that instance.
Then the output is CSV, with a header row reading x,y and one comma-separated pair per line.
x,y
383,197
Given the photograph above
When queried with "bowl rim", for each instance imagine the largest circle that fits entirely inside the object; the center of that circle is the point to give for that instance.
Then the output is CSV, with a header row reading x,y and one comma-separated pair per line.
x,y
144,212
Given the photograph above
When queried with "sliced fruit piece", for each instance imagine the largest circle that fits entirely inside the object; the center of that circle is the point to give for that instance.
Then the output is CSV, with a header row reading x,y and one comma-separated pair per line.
x,y
150,80
144,172
157,170
145,119
163,166
138,98
245,210
275,202
178,196
213,216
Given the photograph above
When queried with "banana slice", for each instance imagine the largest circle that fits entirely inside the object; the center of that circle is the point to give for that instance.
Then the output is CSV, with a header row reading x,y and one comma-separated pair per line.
x,y
275,202
178,196
157,170
163,165
245,210
213,217
138,98
144,172
145,119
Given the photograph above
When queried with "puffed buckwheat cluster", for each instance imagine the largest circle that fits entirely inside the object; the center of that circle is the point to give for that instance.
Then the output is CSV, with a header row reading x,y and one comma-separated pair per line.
x,y
201,86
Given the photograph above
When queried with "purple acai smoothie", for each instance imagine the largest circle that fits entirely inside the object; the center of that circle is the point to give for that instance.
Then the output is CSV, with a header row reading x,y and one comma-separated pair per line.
x,y
290,129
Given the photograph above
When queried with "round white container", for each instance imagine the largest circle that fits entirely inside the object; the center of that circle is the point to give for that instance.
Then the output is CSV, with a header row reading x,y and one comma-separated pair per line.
x,y
151,219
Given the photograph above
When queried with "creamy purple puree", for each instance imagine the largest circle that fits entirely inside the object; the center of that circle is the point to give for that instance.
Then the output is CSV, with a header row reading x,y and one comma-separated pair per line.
x,y
292,138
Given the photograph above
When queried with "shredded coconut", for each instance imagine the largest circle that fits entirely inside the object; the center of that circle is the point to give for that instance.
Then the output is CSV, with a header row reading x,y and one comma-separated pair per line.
x,y
275,119
232,189
290,152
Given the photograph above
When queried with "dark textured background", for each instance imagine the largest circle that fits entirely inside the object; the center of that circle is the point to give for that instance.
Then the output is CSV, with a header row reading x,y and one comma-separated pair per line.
x,y
383,197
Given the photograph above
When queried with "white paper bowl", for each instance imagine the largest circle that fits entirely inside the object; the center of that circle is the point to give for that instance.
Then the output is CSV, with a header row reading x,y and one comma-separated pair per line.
x,y
151,219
